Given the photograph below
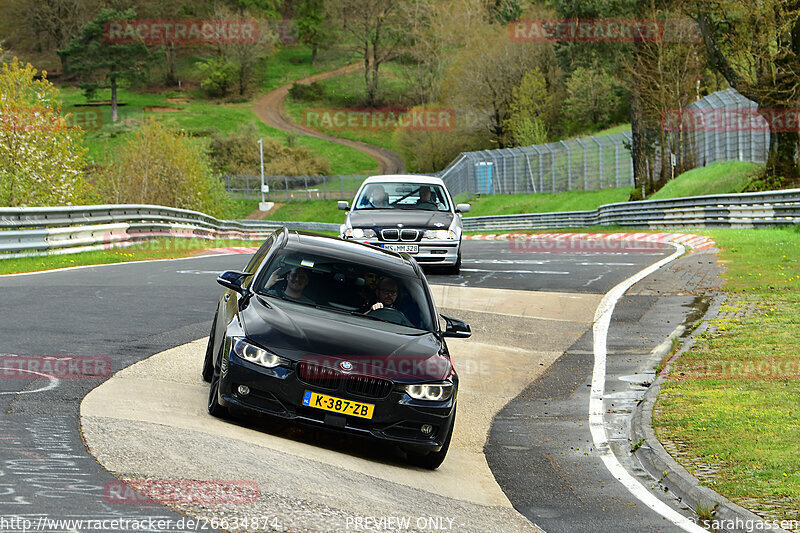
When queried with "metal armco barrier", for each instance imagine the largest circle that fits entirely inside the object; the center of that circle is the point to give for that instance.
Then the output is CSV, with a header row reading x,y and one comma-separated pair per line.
x,y
35,231
750,210
32,231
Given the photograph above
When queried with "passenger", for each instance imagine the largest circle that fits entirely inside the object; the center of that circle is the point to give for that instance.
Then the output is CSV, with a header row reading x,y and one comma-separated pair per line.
x,y
367,292
375,197
296,281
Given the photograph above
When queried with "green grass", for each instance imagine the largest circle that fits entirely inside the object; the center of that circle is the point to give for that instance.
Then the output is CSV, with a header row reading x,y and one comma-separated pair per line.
x,y
348,91
155,249
716,178
731,402
314,211
240,208
201,117
507,204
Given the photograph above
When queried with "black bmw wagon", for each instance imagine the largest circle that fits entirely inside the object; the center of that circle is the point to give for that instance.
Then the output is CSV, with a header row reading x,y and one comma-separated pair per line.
x,y
339,335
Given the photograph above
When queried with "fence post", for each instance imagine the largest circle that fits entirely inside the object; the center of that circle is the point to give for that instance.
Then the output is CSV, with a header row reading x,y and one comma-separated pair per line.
x,y
541,171
286,180
530,169
600,150
553,166
569,166
305,182
616,159
585,165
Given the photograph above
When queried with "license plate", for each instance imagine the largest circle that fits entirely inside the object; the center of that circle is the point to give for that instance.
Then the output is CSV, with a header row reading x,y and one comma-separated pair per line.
x,y
408,248
338,405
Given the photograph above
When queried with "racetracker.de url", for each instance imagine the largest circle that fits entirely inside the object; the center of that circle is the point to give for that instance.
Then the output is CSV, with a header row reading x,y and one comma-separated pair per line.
x,y
45,523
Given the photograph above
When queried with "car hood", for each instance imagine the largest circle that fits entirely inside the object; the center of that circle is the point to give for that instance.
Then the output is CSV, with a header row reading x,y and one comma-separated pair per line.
x,y
301,333
369,218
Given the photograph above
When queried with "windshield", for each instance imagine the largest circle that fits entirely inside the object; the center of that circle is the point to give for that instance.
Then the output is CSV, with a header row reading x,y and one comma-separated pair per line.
x,y
346,287
403,196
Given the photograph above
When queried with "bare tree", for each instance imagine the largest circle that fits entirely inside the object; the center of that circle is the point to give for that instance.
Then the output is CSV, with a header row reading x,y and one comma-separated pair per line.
x,y
377,29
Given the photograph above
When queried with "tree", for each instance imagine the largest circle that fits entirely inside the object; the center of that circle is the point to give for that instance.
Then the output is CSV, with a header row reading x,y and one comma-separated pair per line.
x,y
483,76
665,74
530,105
756,47
311,25
591,98
100,62
163,166
41,158
378,28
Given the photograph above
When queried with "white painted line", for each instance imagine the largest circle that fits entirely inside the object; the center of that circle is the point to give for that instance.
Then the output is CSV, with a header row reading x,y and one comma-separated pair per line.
x,y
602,320
513,271
53,383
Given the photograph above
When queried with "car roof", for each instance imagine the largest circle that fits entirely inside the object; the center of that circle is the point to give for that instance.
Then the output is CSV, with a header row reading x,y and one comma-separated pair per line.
x,y
405,178
368,255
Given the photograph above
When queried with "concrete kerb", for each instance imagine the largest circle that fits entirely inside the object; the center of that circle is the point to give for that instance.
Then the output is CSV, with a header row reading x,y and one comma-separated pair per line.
x,y
668,472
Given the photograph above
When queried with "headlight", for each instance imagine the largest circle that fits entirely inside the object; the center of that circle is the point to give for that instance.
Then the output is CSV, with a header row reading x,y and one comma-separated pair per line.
x,y
257,355
439,234
360,233
437,392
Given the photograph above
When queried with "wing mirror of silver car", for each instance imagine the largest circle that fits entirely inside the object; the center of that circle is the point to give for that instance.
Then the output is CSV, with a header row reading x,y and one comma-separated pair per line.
x,y
342,205
462,208
456,328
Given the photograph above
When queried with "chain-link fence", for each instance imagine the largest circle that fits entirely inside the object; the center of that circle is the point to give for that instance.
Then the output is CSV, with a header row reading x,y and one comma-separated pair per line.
x,y
587,164
707,131
293,188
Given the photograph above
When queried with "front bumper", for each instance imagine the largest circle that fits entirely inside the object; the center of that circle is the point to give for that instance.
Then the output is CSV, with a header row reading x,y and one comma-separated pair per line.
x,y
443,252
279,392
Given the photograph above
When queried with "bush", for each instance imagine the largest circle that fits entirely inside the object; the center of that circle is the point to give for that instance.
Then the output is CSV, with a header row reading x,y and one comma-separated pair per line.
x,y
219,74
307,93
161,166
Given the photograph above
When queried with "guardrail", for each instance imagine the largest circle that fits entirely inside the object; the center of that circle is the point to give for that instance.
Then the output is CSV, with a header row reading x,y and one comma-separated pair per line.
x,y
746,210
33,231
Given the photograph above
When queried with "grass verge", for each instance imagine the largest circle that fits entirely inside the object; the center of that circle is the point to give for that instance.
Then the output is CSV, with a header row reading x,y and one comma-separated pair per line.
x,y
729,406
717,178
507,204
155,249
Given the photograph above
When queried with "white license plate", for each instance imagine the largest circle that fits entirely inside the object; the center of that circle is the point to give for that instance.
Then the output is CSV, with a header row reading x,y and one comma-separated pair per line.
x,y
407,248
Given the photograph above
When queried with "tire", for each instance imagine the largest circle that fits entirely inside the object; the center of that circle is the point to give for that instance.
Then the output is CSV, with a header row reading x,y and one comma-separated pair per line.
x,y
455,269
208,361
432,460
214,408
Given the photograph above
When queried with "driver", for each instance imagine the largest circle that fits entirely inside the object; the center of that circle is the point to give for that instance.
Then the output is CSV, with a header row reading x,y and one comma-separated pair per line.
x,y
296,281
387,297
425,201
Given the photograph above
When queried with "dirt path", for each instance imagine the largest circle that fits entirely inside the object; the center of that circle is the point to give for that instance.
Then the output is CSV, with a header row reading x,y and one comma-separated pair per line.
x,y
269,109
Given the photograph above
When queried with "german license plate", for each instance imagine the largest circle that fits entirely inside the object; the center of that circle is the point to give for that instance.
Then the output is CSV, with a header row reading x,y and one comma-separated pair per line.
x,y
407,248
338,405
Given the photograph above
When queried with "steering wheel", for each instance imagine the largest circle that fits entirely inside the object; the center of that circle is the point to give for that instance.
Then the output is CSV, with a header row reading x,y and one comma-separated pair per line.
x,y
390,314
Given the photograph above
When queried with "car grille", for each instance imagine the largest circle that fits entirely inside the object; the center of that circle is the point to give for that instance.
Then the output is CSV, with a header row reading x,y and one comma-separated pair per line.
x,y
368,387
329,378
409,235
319,375
390,234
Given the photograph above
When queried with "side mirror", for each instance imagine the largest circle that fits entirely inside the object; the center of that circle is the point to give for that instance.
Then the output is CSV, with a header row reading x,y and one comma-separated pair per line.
x,y
462,208
342,205
456,328
231,279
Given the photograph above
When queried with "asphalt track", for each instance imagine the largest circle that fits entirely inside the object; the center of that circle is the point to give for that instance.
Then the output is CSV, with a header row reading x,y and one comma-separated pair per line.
x,y
538,448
